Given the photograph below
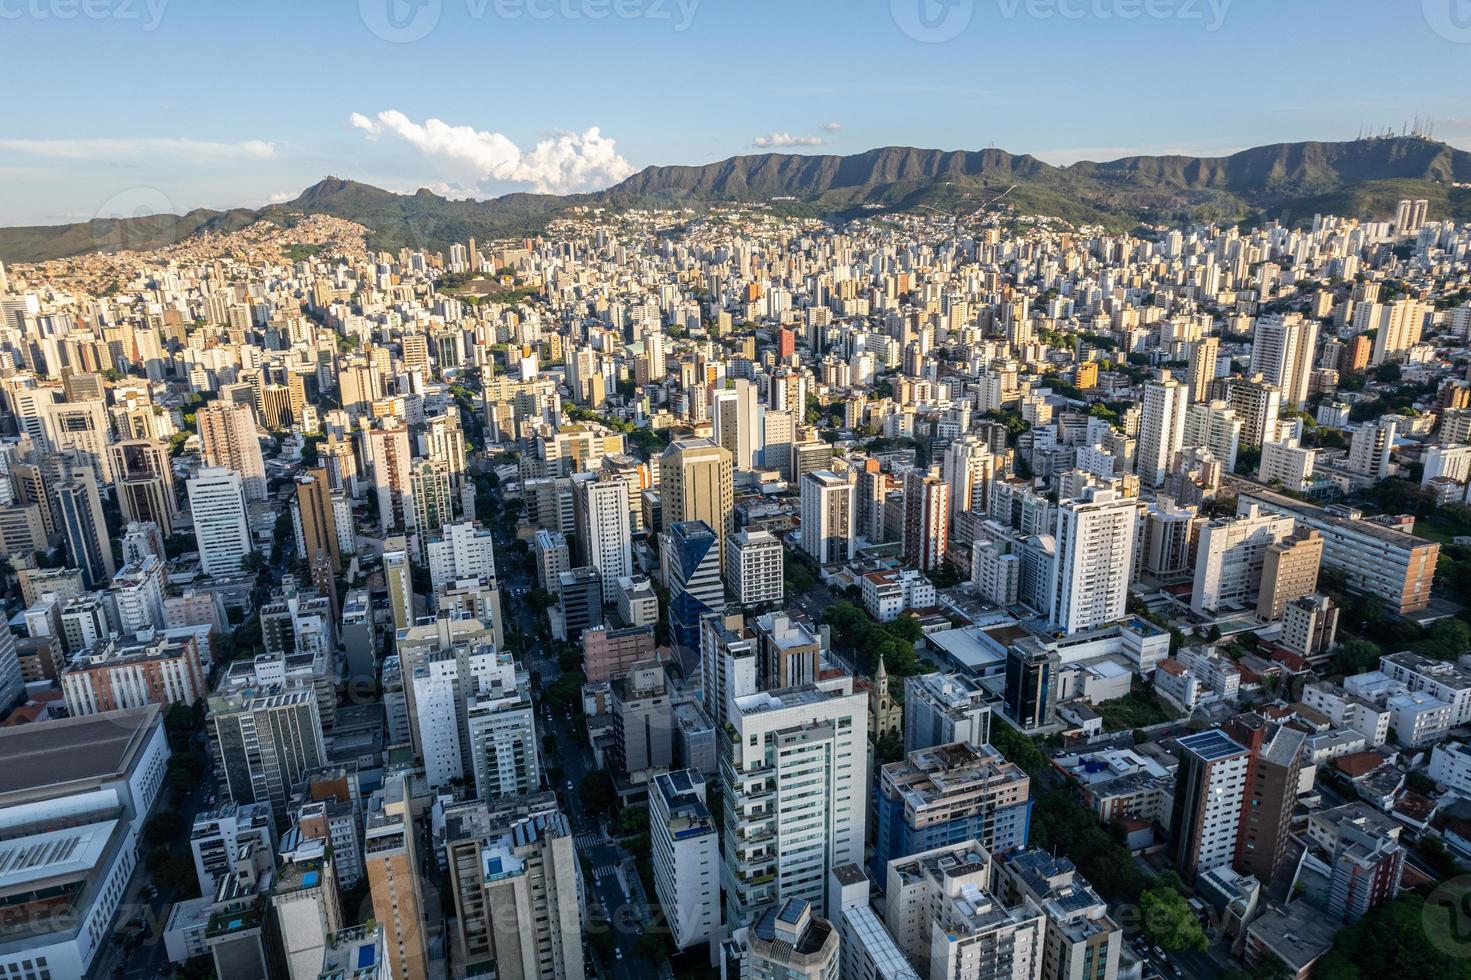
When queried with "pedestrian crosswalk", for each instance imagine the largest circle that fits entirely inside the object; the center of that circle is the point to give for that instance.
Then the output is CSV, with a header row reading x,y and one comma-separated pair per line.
x,y
605,870
589,840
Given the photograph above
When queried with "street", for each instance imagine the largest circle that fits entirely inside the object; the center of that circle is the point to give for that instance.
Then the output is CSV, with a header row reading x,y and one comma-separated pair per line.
x,y
613,885
148,959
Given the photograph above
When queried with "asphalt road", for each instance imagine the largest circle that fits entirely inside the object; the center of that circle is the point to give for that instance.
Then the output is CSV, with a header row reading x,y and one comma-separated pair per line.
x,y
614,883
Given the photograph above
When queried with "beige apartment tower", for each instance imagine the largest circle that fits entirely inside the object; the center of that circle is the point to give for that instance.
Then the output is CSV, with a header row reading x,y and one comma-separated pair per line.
x,y
391,857
227,437
1289,572
695,484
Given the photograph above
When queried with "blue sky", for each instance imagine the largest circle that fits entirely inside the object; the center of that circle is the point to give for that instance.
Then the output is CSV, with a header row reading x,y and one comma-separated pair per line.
x,y
123,106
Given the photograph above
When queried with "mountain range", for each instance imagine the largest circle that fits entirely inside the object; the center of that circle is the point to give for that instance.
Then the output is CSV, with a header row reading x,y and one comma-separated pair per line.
x,y
1289,182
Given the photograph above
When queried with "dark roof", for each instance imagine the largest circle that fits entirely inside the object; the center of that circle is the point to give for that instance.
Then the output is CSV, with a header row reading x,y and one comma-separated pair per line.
x,y
89,748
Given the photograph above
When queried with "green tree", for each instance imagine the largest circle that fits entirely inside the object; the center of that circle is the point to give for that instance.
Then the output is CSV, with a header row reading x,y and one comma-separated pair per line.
x,y
1169,920
1448,639
596,792
1398,939
1355,657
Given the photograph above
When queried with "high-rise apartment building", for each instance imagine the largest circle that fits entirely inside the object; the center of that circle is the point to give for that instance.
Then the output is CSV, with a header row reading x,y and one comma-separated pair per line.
x,y
753,568
827,517
390,466
791,942
227,439
685,846
944,917
1231,557
265,740
1282,348
1272,778
1095,541
926,519
1213,425
969,468
943,708
1399,326
736,412
1204,354
221,525
117,674
947,793
794,780
517,893
395,879
1258,405
1210,785
1289,572
1371,448
1081,941
1161,428
604,538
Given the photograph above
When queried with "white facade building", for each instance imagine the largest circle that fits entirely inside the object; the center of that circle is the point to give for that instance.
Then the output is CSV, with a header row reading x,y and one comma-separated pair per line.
x,y
795,781
221,526
685,846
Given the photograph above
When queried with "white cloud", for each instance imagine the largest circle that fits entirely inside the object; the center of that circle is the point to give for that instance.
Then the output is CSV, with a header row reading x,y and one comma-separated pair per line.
x,y
833,127
112,149
787,139
474,159
280,197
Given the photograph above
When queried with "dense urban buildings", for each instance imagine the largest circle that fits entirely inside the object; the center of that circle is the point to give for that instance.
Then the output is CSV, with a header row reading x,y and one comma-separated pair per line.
x,y
898,594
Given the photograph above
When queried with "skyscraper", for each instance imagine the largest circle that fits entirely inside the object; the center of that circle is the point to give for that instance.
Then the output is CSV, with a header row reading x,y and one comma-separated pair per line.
x,y
685,846
1400,325
1095,540
753,568
736,412
145,482
1215,426
926,519
316,523
265,741
80,520
794,780
1210,785
692,555
388,459
1282,348
1161,428
969,469
695,484
391,854
1230,558
227,439
1202,367
827,517
604,538
1258,405
525,918
1272,777
221,528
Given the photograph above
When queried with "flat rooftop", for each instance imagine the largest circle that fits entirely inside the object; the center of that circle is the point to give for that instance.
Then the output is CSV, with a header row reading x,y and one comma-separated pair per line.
x,y
90,748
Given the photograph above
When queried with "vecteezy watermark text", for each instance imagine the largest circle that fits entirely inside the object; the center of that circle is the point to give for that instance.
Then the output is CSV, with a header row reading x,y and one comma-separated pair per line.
x,y
1451,19
934,21
404,21
147,13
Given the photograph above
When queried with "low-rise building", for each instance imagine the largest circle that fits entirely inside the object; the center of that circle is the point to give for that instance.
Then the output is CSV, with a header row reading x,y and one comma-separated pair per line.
x,y
888,594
